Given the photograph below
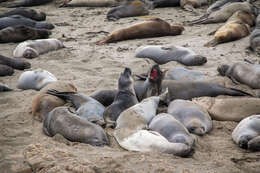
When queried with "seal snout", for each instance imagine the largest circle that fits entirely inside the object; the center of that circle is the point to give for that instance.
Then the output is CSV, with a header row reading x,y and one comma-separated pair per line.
x,y
127,71
243,142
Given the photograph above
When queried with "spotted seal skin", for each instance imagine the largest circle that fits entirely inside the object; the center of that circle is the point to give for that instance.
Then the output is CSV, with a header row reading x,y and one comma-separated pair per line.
x,y
25,12
86,106
4,88
74,128
166,53
21,33
16,63
36,79
27,3
194,117
247,133
33,48
124,99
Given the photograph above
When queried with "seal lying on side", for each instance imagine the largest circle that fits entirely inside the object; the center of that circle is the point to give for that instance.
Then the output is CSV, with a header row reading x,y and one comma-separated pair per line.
x,y
154,27
15,63
130,8
89,3
4,88
182,73
124,99
36,79
194,117
165,3
43,103
189,5
20,20
25,12
6,70
74,128
237,27
244,73
33,48
255,37
86,106
167,53
247,133
190,89
27,3
229,108
105,97
21,33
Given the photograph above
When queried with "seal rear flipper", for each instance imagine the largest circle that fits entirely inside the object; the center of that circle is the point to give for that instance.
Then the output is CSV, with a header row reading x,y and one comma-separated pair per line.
x,y
197,21
212,43
237,92
254,144
189,8
103,41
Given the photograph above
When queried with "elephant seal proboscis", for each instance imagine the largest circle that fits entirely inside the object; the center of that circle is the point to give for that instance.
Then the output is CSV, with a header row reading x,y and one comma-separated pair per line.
x,y
247,133
183,74
74,128
43,103
16,63
6,70
4,88
167,53
193,116
154,27
27,3
129,8
25,12
105,97
36,79
124,98
21,33
90,3
86,106
33,48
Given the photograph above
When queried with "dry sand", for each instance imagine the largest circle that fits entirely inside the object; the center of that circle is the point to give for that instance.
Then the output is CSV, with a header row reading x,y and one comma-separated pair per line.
x,y
25,149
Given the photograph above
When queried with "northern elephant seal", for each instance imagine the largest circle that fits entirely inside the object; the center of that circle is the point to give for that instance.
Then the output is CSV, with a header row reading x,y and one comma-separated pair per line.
x,y
16,63
182,73
43,103
124,98
6,70
130,8
36,79
247,133
105,97
86,106
89,3
27,3
244,73
25,12
74,128
21,33
167,53
154,27
4,88
165,3
193,116
254,39
33,48
189,5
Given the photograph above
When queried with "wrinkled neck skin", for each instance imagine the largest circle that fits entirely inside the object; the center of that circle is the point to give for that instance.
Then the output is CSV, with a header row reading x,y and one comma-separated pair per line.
x,y
127,89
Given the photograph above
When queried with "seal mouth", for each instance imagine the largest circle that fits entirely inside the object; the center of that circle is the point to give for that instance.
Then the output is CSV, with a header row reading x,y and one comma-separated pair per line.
x,y
127,71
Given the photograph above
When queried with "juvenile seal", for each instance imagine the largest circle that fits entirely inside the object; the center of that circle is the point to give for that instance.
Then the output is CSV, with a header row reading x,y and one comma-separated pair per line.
x,y
247,133
165,3
6,70
21,33
128,9
105,97
154,27
237,27
27,3
189,5
20,20
124,98
244,73
15,63
36,79
86,106
89,3
194,117
182,73
254,38
167,53
229,108
190,89
4,88
33,48
25,12
43,103
74,128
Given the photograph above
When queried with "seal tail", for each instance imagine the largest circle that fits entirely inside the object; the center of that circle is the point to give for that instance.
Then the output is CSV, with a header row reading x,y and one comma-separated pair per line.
x,y
212,43
237,92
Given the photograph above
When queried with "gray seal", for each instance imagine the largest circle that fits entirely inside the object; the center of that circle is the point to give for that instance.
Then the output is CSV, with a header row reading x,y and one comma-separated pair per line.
x,y
194,117
4,88
247,133
27,3
86,106
25,12
74,128
166,53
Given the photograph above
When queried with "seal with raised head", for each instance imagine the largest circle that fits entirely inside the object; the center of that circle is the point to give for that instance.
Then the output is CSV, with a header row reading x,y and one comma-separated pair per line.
x,y
6,70
74,128
254,38
167,53
43,103
244,73
237,27
154,27
25,12
16,63
124,98
89,3
4,88
27,3
129,8
190,89
21,33
182,73
105,97
36,79
86,106
20,20
33,48
247,133
193,116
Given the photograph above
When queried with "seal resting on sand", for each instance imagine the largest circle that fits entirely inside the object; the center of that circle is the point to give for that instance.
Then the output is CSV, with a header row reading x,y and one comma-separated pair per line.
x,y
25,12
27,3
4,88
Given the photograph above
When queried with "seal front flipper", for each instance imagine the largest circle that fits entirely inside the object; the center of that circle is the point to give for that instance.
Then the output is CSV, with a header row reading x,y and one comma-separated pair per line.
x,y
4,87
212,43
254,144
